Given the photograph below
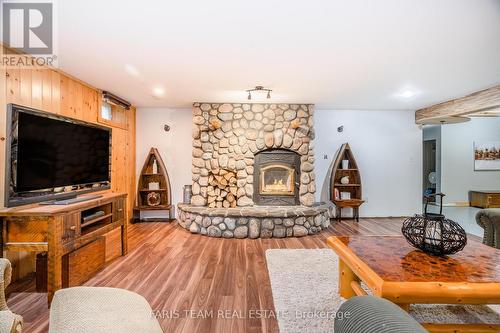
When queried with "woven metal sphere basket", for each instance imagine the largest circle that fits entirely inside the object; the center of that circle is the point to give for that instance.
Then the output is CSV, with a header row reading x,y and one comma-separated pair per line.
x,y
434,233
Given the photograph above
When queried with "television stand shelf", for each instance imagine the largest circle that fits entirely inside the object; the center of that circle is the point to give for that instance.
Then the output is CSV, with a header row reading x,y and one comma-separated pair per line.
x,y
72,235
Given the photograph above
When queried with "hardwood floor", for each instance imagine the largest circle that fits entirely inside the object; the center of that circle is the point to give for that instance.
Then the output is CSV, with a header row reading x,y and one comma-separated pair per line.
x,y
177,271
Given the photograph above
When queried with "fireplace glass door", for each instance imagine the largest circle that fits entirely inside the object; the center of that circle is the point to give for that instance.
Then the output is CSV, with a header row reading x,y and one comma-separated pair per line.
x,y
277,180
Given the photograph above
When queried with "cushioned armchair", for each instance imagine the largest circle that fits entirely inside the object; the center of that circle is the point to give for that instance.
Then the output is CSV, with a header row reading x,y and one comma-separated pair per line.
x,y
101,310
369,314
9,322
489,220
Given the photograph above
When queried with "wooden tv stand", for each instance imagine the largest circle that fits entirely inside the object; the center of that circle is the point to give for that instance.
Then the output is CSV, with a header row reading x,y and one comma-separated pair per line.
x,y
75,248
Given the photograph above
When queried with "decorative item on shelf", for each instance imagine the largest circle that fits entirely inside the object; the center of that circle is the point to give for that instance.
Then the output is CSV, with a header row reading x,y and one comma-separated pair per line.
x,y
336,194
345,195
153,199
345,164
154,186
153,191
346,177
154,166
187,194
434,233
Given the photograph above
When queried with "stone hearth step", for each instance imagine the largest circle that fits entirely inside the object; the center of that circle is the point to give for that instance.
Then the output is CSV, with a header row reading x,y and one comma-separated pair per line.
x,y
256,221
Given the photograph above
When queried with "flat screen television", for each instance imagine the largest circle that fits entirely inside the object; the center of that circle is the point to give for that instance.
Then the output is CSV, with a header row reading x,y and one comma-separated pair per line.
x,y
51,157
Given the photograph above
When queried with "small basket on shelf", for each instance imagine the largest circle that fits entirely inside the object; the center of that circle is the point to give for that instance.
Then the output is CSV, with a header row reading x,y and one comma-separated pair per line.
x,y
434,233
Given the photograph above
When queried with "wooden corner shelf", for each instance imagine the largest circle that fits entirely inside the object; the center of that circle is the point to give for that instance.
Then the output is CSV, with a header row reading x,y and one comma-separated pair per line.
x,y
354,187
153,200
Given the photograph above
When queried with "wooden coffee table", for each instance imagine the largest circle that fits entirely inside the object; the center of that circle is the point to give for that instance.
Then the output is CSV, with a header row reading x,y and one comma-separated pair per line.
x,y
395,270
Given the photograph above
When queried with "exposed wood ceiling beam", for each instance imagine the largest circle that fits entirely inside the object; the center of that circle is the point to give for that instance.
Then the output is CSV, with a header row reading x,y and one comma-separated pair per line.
x,y
481,101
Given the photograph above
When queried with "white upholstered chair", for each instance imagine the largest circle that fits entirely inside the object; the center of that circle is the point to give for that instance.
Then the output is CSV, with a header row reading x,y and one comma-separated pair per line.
x,y
101,310
9,321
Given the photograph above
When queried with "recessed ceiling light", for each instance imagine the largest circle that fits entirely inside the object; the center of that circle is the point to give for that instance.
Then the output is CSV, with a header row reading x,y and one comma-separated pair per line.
x,y
131,70
407,93
158,91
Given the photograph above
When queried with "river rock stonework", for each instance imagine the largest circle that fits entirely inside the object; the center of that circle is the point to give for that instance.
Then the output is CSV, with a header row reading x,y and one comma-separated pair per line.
x,y
226,138
256,221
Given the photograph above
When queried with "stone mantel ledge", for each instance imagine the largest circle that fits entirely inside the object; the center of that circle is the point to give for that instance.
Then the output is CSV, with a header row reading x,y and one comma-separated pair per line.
x,y
260,211
255,221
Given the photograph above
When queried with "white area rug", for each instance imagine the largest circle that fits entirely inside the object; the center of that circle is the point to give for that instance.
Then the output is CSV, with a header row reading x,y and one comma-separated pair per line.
x,y
305,292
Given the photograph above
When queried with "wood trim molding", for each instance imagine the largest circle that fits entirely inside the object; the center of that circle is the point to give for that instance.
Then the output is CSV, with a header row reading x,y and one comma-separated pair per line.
x,y
480,101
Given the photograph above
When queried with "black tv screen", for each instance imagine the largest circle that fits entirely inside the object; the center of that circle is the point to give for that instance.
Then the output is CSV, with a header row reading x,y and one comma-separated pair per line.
x,y
52,152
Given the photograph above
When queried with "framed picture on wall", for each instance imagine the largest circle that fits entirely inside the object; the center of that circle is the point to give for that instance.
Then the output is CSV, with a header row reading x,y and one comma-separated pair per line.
x,y
486,155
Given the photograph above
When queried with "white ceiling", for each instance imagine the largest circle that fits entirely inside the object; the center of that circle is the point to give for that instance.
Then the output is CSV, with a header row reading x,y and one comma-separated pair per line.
x,y
356,54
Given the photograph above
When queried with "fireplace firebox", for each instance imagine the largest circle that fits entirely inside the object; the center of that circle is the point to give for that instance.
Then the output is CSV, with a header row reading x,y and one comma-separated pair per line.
x,y
276,175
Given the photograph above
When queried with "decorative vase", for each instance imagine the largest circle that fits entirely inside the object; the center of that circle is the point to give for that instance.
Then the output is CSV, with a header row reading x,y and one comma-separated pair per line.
x,y
344,180
188,193
345,164
433,233
155,166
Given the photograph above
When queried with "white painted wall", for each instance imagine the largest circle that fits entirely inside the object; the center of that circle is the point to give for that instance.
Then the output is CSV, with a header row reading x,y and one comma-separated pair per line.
x,y
457,158
174,146
387,146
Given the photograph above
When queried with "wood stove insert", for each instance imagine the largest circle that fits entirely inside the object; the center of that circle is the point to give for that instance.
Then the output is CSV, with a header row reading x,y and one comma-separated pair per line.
x,y
276,176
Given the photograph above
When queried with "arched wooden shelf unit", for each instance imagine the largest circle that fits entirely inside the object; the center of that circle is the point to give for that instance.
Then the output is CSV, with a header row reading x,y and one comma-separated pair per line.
x,y
157,198
354,187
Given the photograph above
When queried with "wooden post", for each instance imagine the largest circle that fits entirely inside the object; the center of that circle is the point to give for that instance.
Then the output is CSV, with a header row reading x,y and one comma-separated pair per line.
x,y
124,238
54,261
346,276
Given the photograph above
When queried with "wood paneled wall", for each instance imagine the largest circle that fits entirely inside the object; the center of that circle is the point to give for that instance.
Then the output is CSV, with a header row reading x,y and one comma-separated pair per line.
x,y
53,91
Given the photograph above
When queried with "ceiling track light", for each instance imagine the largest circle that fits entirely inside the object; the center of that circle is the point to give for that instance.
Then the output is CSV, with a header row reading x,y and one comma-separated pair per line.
x,y
259,89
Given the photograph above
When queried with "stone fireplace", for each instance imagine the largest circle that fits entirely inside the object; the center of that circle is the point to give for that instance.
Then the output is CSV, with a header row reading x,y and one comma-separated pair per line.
x,y
253,161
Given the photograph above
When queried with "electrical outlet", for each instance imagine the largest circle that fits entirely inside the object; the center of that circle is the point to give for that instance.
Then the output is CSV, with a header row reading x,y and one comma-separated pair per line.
x,y
325,157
